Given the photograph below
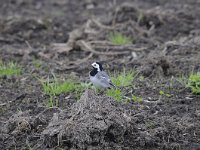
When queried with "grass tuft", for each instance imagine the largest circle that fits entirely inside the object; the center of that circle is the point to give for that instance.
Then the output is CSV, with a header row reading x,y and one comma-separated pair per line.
x,y
55,87
124,78
194,83
115,93
137,99
119,39
162,93
9,69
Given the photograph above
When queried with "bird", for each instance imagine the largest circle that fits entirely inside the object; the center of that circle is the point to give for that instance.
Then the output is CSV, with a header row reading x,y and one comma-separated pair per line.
x,y
99,77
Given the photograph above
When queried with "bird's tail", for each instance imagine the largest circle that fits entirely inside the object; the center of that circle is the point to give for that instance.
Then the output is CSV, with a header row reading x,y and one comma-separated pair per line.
x,y
113,85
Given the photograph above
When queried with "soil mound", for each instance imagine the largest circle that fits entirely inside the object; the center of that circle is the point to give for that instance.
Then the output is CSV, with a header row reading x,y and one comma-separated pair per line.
x,y
95,121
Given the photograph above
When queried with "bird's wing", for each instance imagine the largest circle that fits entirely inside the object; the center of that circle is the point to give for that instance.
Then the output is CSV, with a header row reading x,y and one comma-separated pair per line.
x,y
104,78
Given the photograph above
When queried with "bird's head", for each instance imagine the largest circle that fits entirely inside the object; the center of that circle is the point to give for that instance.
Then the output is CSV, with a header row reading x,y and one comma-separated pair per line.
x,y
97,65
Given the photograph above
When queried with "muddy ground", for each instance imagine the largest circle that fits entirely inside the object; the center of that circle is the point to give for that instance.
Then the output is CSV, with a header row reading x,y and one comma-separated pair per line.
x,y
65,37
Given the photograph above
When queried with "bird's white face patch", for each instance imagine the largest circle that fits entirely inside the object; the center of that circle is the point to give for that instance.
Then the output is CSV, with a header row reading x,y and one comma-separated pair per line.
x,y
95,65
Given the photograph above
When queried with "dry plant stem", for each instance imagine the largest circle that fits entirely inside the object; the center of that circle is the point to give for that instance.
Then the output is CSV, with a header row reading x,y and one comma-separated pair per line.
x,y
85,46
100,25
101,42
66,47
78,34
75,40
125,49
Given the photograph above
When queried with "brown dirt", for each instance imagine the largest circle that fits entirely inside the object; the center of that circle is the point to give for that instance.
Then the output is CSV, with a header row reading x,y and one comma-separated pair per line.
x,y
166,45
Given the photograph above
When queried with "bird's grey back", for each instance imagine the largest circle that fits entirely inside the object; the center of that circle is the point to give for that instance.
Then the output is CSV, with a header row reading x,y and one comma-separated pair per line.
x,y
103,76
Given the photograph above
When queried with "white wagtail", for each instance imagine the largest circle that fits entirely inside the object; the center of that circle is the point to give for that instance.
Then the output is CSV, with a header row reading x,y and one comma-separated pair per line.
x,y
99,77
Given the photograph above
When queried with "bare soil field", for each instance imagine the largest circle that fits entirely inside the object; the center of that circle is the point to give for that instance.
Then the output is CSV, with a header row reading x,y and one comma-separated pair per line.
x,y
65,37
